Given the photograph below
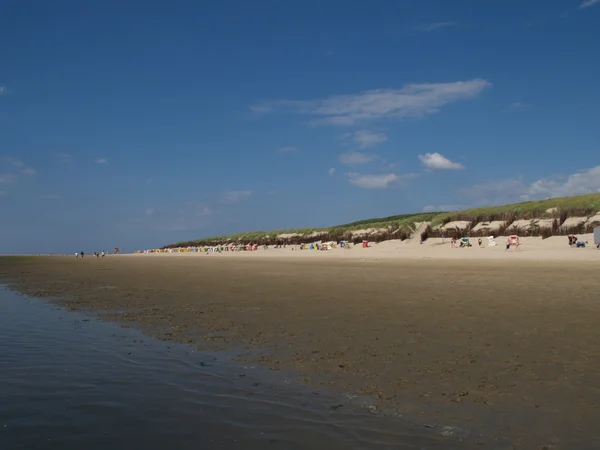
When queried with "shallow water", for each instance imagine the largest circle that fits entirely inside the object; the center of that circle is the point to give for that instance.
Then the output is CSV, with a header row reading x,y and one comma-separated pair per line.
x,y
68,381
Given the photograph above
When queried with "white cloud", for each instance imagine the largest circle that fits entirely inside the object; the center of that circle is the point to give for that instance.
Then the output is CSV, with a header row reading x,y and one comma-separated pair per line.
x,y
287,149
379,181
436,161
357,158
446,208
435,26
235,196
7,178
589,3
331,171
366,139
100,161
149,211
382,181
515,189
413,100
15,163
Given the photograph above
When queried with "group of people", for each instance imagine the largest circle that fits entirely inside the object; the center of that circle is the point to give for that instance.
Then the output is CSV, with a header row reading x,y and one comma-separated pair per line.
x,y
96,254
465,242
574,242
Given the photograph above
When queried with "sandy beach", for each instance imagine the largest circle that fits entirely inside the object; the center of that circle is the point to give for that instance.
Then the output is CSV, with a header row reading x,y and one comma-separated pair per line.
x,y
465,335
554,248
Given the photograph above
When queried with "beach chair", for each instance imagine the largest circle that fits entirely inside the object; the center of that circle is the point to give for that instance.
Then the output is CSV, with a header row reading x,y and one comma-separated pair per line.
x,y
491,241
513,240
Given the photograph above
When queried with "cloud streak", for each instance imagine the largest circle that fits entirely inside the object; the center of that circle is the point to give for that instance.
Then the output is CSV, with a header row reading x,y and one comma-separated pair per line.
x,y
589,3
445,208
100,161
411,101
437,161
366,139
382,181
357,158
378,181
513,189
14,162
518,105
234,196
7,178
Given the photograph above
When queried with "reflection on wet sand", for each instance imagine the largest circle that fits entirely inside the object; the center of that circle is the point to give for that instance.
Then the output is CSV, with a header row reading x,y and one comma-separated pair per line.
x,y
507,347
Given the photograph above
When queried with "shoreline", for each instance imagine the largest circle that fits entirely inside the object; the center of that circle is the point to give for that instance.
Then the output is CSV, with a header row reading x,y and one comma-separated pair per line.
x,y
477,335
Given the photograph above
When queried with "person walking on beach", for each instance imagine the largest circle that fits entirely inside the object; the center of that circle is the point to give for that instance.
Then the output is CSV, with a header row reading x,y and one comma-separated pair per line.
x,y
103,254
81,253
76,255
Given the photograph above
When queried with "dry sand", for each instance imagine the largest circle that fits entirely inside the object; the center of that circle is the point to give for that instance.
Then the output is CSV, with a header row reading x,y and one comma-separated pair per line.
x,y
555,248
510,339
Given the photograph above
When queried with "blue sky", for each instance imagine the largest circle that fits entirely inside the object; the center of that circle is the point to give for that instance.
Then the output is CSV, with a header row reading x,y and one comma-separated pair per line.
x,y
137,124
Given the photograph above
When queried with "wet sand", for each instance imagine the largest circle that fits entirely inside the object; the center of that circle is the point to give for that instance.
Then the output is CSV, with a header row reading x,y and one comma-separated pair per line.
x,y
512,342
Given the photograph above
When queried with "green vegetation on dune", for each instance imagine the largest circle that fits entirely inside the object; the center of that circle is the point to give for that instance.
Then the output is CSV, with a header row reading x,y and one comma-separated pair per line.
x,y
403,226
392,227
581,205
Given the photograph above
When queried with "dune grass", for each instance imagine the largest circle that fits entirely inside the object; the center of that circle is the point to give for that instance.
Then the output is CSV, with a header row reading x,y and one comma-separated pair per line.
x,y
582,205
557,209
399,227
402,226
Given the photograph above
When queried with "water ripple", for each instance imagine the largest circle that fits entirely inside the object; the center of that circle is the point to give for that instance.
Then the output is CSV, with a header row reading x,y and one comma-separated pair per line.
x,y
68,382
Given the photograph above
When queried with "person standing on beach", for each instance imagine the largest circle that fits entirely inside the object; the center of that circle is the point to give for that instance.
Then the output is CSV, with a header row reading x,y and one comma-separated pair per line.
x,y
81,253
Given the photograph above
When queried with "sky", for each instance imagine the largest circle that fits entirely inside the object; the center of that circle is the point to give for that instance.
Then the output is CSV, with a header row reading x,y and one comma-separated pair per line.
x,y
137,124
